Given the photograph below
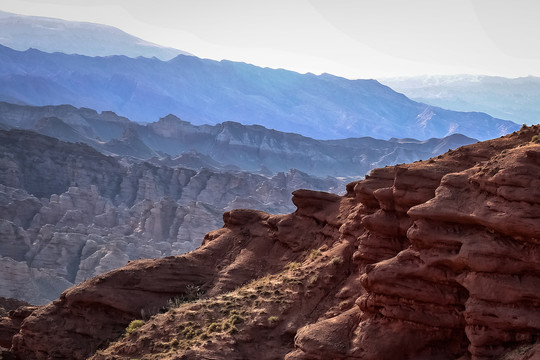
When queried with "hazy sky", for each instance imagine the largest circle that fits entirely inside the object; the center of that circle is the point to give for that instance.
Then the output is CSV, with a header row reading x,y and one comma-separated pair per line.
x,y
351,38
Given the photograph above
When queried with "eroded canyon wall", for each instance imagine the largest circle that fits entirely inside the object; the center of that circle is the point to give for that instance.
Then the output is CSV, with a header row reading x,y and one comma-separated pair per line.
x,y
432,260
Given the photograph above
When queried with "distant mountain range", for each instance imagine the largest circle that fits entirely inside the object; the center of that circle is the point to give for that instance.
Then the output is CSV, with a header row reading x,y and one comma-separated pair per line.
x,y
516,99
55,35
223,146
210,92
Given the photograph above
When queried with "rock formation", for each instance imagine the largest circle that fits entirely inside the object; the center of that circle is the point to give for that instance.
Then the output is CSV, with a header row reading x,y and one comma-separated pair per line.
x,y
67,212
432,260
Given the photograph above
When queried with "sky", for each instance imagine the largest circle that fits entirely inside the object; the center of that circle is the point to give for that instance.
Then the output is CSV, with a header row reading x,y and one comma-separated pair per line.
x,y
350,38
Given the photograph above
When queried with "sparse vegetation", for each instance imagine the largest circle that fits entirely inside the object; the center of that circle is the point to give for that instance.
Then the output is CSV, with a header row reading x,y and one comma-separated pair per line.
x,y
336,260
193,321
215,327
133,326
273,320
235,318
315,253
192,293
293,265
312,279
536,139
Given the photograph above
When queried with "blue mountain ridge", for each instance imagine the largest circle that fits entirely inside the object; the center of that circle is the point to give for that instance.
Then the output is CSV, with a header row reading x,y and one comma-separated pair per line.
x,y
205,91
228,145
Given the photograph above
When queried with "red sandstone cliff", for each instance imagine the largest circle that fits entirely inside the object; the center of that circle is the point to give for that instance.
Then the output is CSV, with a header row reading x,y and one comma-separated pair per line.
x,y
432,260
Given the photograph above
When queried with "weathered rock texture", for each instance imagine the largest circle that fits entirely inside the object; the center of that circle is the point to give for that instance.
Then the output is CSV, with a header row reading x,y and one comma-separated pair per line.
x,y
67,212
432,260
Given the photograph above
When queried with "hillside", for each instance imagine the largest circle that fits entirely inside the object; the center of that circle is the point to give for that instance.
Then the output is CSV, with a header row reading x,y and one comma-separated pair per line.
x,y
50,35
209,92
223,146
431,260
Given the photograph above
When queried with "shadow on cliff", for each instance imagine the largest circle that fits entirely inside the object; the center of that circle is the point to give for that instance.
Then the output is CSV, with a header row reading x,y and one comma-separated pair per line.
x,y
432,260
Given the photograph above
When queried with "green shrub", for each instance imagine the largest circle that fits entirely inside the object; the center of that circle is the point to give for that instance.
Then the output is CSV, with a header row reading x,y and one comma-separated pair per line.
x,y
536,139
315,253
189,332
235,319
134,325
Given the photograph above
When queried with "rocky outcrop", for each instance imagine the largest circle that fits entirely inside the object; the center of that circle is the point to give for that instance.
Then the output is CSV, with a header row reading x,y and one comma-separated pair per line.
x,y
68,213
431,260
12,312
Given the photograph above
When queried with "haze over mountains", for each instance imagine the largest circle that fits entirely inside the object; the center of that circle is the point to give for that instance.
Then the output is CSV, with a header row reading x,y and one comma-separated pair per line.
x,y
210,92
22,32
228,145
515,99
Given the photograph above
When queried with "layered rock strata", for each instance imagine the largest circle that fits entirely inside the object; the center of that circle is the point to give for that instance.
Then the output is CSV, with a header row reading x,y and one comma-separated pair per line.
x,y
68,213
432,260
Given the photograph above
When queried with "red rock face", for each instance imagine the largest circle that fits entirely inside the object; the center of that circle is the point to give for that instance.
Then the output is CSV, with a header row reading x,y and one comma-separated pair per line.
x,y
12,313
467,283
433,260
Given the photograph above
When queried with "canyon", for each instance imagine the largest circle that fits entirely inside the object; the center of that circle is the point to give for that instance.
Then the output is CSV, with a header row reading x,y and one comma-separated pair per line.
x,y
68,212
113,190
437,259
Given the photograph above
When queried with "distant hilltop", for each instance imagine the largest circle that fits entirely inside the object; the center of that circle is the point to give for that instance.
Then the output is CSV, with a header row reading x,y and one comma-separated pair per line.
x,y
21,32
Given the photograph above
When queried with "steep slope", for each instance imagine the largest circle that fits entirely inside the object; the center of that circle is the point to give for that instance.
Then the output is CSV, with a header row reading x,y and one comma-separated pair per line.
x,y
207,92
515,99
22,32
251,148
431,260
68,213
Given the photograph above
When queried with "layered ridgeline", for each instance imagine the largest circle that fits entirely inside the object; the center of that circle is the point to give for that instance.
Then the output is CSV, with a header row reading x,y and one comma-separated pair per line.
x,y
515,99
23,32
432,260
228,145
68,212
210,92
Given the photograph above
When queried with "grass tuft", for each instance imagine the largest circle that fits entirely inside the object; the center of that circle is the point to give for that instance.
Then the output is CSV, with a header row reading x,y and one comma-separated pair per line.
x,y
336,260
273,320
293,265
